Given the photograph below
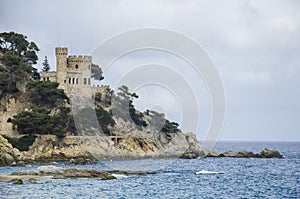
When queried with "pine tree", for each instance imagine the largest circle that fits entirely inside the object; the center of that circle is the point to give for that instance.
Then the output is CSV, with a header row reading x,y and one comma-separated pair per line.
x,y
46,66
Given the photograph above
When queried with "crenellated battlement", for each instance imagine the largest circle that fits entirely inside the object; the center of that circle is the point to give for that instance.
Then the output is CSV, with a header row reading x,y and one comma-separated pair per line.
x,y
79,58
101,88
61,51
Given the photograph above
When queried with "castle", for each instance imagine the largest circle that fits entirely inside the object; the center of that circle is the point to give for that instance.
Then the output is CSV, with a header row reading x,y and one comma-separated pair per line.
x,y
72,73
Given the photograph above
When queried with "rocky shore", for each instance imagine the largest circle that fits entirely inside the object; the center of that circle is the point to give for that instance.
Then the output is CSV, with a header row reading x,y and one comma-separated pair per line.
x,y
132,146
61,173
87,149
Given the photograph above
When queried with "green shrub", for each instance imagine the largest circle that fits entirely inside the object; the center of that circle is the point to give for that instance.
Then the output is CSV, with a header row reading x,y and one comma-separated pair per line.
x,y
22,143
40,121
46,94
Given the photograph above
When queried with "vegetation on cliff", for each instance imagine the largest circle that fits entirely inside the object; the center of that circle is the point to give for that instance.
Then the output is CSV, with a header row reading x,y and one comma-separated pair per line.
x,y
49,112
123,106
46,94
23,143
17,57
87,125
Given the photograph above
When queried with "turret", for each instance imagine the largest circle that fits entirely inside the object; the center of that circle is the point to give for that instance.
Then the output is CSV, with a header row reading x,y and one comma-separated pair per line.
x,y
61,58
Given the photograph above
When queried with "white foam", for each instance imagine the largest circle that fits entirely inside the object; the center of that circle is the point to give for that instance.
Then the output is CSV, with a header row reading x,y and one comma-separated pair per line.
x,y
118,176
209,172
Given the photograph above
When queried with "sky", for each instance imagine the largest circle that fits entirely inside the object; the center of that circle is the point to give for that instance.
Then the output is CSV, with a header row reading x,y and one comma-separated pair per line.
x,y
254,44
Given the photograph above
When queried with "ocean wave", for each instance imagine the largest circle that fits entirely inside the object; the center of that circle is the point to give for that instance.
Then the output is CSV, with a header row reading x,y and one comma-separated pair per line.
x,y
118,176
209,172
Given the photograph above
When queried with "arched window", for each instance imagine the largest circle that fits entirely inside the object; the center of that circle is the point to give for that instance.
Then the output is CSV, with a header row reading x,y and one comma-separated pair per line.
x,y
69,80
89,80
76,80
9,120
73,82
76,66
84,80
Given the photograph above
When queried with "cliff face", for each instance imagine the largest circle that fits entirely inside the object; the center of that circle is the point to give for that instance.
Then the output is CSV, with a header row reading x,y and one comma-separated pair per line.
x,y
115,147
10,106
8,154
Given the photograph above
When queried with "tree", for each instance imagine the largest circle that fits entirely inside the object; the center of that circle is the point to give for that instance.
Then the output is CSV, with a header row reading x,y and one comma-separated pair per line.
x,y
105,120
13,70
170,127
87,118
18,45
17,56
47,94
35,121
97,72
39,120
124,105
35,74
46,66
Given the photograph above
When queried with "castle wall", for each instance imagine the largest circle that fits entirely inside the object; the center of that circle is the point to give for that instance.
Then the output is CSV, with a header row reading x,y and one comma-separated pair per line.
x,y
48,76
73,71
9,108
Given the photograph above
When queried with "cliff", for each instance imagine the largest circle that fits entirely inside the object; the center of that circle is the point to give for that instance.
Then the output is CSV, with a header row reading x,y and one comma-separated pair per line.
x,y
133,146
8,154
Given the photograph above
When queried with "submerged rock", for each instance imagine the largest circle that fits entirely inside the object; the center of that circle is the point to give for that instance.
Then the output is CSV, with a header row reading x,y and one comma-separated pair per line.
x,y
17,181
81,161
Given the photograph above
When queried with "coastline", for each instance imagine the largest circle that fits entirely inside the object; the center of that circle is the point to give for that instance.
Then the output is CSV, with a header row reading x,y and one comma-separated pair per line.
x,y
75,150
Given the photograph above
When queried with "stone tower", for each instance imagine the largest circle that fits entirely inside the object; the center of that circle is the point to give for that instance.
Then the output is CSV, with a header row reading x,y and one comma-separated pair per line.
x,y
73,72
61,64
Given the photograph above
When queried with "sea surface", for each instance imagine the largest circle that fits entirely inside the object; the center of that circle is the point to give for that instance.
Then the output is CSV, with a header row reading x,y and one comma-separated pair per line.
x,y
177,178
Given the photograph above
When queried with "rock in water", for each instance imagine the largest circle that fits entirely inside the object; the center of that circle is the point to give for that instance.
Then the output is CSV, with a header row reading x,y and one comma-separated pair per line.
x,y
269,153
213,153
17,181
58,172
189,155
265,153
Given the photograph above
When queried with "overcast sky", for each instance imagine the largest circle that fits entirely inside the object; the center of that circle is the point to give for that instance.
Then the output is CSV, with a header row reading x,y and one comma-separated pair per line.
x,y
255,46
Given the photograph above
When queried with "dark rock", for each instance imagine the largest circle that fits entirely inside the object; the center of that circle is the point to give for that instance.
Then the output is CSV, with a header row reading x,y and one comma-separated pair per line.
x,y
17,181
108,177
213,153
266,153
269,153
18,163
73,161
231,153
60,173
189,155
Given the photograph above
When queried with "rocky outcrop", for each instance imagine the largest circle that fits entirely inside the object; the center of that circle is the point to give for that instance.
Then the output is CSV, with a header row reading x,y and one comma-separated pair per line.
x,y
8,154
269,153
58,172
135,145
265,153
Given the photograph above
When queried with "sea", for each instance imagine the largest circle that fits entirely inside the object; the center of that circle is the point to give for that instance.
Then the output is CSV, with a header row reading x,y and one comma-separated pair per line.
x,y
178,178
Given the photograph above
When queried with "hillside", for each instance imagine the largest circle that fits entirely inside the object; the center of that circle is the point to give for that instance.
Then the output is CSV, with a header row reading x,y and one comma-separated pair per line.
x,y
111,128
